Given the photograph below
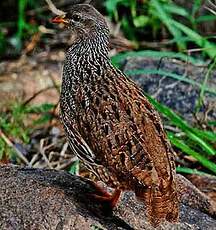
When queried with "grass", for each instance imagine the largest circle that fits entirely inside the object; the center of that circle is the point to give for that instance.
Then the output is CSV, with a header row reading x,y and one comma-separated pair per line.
x,y
192,141
180,144
186,170
74,168
177,77
118,59
135,18
22,29
153,15
17,124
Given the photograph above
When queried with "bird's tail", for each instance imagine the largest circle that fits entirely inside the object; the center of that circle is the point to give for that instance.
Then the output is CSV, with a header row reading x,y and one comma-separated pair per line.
x,y
161,204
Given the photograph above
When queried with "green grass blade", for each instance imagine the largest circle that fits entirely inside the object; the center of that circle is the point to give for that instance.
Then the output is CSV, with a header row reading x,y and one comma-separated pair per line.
x,y
175,9
205,18
183,125
180,169
171,75
155,55
212,123
208,47
202,91
204,145
74,169
185,148
206,135
167,20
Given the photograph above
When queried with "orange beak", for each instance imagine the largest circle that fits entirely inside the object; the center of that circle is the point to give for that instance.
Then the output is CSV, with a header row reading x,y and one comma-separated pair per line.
x,y
60,19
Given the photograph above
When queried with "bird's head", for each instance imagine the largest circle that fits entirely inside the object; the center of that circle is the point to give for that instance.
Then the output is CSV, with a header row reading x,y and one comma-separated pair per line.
x,y
84,21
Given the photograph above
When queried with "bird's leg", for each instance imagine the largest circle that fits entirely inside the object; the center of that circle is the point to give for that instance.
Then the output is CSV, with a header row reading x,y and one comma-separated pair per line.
x,y
104,196
112,199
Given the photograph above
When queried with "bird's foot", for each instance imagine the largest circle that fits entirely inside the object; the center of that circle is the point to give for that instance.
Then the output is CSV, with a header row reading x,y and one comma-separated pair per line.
x,y
110,199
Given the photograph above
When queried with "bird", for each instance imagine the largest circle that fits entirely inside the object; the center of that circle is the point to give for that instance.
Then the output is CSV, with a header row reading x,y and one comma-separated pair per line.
x,y
109,123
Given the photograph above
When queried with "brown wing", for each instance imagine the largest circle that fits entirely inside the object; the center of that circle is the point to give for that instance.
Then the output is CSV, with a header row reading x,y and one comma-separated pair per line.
x,y
124,132
122,128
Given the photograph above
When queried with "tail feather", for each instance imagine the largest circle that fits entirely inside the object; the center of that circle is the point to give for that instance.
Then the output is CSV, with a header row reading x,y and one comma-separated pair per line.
x,y
161,205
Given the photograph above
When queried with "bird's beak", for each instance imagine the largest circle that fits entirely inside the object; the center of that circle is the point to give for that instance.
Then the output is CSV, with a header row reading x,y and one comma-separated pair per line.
x,y
60,19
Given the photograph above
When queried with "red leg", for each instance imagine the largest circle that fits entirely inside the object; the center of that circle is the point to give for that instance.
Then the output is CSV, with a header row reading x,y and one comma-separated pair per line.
x,y
104,196
112,199
99,190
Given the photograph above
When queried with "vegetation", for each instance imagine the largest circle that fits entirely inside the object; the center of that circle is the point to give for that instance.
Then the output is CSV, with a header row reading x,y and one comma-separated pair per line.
x,y
14,33
155,15
14,123
157,20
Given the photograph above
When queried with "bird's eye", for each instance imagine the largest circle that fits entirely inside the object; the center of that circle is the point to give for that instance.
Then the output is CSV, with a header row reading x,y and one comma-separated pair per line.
x,y
76,17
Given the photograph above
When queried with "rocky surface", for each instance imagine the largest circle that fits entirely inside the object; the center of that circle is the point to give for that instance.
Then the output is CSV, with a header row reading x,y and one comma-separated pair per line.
x,y
26,77
180,96
48,199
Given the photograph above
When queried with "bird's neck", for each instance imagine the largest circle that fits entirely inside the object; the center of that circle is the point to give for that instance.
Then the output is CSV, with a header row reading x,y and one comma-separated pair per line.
x,y
94,48
86,61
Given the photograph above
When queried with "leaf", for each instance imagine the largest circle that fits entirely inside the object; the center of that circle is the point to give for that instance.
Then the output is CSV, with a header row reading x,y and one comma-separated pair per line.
x,y
199,141
43,108
208,47
129,31
111,5
205,18
2,148
74,169
212,123
175,9
43,119
202,91
204,134
140,21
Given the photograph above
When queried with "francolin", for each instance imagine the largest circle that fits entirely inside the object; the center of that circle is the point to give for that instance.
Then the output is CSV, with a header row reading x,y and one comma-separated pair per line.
x,y
110,124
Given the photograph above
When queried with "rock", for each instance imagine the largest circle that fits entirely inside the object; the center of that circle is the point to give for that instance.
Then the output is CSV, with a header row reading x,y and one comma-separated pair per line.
x,y
177,95
205,183
37,78
48,199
